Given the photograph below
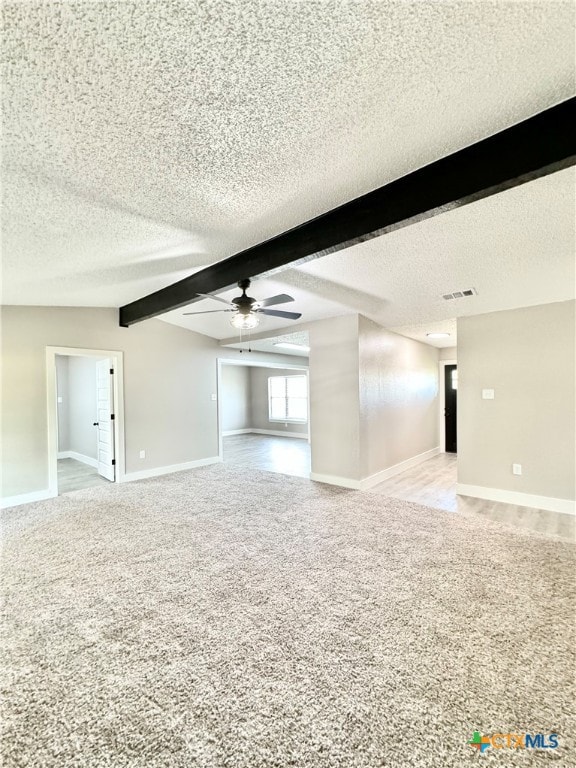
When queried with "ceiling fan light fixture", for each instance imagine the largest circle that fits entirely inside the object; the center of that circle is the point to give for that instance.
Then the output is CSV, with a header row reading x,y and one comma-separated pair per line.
x,y
244,322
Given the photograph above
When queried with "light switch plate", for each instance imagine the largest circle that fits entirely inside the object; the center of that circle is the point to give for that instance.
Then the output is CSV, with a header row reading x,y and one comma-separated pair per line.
x,y
516,469
213,397
487,394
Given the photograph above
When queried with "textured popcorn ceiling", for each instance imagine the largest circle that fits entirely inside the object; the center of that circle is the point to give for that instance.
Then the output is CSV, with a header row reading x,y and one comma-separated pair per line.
x,y
146,140
516,249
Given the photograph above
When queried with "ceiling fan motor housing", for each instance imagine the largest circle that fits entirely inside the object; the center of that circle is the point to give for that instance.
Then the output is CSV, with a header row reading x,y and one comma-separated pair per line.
x,y
244,303
246,310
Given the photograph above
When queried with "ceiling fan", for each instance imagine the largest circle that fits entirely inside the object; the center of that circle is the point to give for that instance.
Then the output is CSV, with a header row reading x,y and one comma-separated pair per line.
x,y
246,309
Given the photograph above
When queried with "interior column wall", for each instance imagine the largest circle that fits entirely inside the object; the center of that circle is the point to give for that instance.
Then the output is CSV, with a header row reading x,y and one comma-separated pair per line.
x,y
334,399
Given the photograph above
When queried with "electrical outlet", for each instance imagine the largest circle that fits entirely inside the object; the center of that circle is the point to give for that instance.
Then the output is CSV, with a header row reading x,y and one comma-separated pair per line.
x,y
516,469
487,394
142,454
59,399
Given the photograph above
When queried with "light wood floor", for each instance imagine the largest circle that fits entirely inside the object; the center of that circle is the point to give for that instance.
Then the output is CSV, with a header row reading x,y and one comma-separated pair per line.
x,y
432,483
287,455
74,475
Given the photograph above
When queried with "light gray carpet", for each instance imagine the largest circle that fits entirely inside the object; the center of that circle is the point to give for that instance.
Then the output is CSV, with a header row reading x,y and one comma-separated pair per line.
x,y
213,618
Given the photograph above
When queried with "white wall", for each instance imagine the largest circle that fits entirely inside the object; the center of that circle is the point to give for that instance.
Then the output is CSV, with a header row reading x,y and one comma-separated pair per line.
x,y
398,398
235,393
259,401
527,357
169,378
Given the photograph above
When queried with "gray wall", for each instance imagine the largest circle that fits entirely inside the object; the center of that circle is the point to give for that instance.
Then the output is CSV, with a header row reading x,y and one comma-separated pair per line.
x,y
235,393
334,397
245,398
374,398
448,353
82,406
398,398
62,393
169,377
76,385
259,400
527,356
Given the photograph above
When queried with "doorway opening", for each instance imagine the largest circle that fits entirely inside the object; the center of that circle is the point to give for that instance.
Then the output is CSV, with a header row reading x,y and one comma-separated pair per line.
x,y
263,416
85,418
448,406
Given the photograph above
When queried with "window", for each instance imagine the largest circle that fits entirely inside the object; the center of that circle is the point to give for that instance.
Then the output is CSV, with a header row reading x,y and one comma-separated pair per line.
x,y
454,375
287,398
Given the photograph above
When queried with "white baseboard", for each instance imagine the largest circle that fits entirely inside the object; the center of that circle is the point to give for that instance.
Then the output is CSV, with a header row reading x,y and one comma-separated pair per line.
x,y
254,431
158,471
79,457
230,432
343,482
279,433
549,503
379,477
26,498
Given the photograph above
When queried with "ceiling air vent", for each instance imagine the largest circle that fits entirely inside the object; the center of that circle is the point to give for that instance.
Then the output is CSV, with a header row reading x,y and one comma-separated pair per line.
x,y
460,294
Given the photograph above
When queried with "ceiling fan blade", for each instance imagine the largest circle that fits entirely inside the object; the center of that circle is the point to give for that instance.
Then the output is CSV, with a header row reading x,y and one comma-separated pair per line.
x,y
211,296
282,298
208,312
279,313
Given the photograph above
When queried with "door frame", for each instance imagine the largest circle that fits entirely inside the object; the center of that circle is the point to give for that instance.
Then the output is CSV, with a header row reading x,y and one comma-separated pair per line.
x,y
442,396
117,359
252,364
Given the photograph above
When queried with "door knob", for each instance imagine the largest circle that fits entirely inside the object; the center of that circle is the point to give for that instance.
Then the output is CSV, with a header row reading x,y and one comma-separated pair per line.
x,y
95,424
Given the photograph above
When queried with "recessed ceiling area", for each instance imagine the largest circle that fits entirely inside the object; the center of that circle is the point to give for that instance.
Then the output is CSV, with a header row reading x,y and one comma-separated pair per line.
x,y
298,339
218,326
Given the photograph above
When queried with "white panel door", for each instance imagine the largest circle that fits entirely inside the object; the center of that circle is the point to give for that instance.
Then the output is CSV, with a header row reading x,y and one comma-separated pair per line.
x,y
105,423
